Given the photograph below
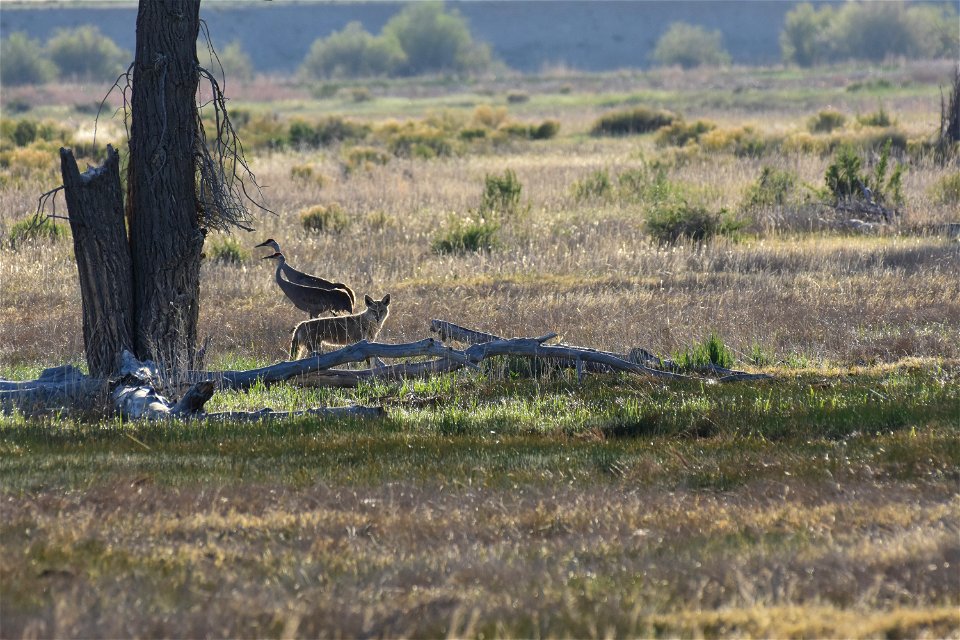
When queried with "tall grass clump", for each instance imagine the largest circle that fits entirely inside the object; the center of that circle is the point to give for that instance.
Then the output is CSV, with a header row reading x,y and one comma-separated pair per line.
x,y
879,118
329,218
711,351
36,228
631,122
826,121
946,190
466,235
228,251
670,222
501,194
594,186
773,188
680,133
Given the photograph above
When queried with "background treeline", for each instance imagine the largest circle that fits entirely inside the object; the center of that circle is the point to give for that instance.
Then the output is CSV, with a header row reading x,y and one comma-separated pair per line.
x,y
430,38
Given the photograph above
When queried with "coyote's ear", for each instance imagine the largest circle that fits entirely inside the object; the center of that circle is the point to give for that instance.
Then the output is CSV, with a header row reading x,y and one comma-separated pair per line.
x,y
368,300
386,299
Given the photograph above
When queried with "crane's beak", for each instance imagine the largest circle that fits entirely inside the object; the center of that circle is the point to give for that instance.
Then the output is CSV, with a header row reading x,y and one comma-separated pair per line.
x,y
275,255
265,243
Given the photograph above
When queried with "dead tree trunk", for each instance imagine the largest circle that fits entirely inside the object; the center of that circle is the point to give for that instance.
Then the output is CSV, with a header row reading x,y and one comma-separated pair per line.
x,y
95,205
165,235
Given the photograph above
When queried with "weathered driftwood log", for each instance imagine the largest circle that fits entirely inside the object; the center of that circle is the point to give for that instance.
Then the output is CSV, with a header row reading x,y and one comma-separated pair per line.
x,y
58,389
357,352
95,206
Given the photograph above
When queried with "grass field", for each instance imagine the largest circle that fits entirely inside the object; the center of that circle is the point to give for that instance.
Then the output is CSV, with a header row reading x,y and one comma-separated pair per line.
x,y
498,503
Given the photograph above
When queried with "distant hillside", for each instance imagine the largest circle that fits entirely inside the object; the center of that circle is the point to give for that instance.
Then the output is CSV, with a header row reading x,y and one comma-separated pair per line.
x,y
593,35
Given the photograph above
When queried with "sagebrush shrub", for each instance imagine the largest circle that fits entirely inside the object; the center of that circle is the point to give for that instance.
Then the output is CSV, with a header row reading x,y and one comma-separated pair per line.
x,y
680,133
501,194
826,121
228,251
36,228
670,222
631,122
462,236
330,218
774,187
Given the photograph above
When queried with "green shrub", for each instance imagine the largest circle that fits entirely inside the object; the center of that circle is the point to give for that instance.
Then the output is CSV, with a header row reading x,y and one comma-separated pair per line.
x,y
517,97
228,251
826,121
85,53
670,222
23,61
879,118
947,189
464,236
690,46
501,194
844,179
473,133
420,140
329,218
595,186
25,132
306,173
352,53
36,228
710,352
545,130
632,121
328,131
680,133
774,187
365,158
435,41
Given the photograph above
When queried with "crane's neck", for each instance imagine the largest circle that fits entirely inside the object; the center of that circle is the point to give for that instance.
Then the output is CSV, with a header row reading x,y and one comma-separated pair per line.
x,y
280,262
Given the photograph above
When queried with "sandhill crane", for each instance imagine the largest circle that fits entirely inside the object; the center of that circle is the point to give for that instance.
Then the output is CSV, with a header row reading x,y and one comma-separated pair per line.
x,y
299,277
313,300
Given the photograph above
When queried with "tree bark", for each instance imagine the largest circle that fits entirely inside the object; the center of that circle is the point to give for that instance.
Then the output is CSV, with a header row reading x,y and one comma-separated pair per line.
x,y
95,206
165,236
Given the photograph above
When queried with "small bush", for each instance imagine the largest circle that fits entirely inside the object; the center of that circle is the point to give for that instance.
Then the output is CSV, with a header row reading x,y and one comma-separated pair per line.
x,y
740,141
517,97
329,218
631,122
464,236
22,61
879,118
36,228
420,140
545,130
331,130
365,158
489,116
710,352
25,132
947,189
690,46
306,173
680,133
360,94
845,181
228,251
671,222
595,186
773,188
501,194
85,53
826,121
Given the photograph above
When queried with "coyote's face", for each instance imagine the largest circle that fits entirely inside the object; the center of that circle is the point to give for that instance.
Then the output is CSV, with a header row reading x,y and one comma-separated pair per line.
x,y
378,308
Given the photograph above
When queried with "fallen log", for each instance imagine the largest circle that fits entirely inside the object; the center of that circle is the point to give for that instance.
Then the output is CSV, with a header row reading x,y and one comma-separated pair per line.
x,y
357,352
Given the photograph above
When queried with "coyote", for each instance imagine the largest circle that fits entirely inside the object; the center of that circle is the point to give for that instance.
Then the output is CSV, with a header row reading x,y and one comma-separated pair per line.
x,y
311,335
